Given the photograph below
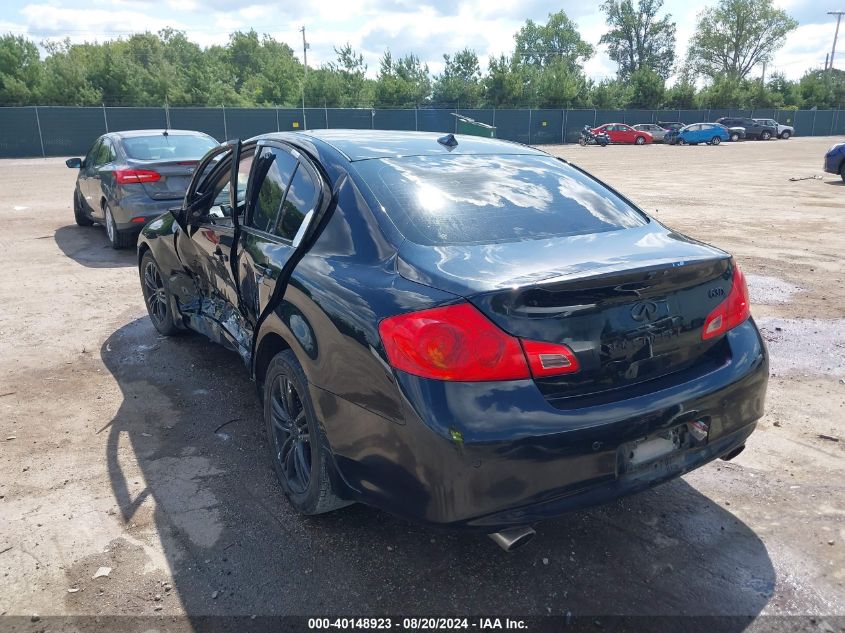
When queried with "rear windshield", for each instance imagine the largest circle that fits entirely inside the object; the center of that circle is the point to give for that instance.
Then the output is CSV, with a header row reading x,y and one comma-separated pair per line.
x,y
170,147
484,199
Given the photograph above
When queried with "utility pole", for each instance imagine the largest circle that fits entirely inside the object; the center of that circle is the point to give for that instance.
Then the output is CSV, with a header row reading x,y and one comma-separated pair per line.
x,y
826,59
838,15
304,75
763,78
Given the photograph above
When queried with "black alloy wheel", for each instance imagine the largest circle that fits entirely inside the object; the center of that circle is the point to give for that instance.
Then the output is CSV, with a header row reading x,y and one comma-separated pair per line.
x,y
156,296
291,438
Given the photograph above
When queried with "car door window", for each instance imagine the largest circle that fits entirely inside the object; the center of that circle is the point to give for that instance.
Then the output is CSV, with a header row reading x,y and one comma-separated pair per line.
x,y
104,154
273,173
92,153
221,205
300,199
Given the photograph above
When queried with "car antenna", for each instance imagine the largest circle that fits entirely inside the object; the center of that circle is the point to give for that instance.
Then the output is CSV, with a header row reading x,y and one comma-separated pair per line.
x,y
449,141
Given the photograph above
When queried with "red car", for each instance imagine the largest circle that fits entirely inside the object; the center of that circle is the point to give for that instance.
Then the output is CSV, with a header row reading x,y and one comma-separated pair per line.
x,y
621,133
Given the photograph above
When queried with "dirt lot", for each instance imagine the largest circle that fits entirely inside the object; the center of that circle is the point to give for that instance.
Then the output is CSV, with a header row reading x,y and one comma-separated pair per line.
x,y
121,449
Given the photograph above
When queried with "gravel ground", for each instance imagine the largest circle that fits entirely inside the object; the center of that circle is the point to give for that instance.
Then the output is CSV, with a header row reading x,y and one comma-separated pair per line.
x,y
123,450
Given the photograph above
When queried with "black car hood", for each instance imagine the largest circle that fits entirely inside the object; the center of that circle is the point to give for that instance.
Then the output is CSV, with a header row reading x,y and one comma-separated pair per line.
x,y
468,269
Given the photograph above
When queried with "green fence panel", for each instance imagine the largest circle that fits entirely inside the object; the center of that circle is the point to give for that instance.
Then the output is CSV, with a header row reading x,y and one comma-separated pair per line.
x,y
120,119
19,133
666,116
823,122
352,118
70,131
804,122
395,120
608,116
575,122
435,120
634,117
742,113
546,126
765,113
838,122
316,118
208,120
244,123
513,125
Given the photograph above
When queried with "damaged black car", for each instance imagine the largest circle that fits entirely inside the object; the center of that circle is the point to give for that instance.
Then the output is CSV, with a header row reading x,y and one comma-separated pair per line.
x,y
460,331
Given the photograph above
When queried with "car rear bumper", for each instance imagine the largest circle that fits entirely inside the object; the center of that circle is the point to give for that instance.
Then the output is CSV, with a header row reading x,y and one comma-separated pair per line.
x,y
492,455
134,212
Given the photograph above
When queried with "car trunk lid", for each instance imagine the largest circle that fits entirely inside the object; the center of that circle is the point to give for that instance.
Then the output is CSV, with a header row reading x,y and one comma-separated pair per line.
x,y
630,303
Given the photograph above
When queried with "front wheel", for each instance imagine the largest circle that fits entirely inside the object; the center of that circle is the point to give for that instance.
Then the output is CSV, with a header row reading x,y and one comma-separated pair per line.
x,y
117,239
156,296
716,140
734,137
297,448
640,140
785,135
582,142
765,136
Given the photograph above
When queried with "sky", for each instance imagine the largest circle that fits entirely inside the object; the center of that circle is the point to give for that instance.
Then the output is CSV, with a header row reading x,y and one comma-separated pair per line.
x,y
427,28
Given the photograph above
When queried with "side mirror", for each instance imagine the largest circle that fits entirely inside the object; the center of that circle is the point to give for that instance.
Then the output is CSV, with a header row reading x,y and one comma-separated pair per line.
x,y
74,163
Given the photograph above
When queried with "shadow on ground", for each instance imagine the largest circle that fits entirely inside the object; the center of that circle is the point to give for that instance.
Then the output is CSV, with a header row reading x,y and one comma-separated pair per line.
x,y
89,246
191,422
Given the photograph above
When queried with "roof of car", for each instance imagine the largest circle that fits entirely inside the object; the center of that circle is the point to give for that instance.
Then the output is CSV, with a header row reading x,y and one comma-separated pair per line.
x,y
367,144
131,133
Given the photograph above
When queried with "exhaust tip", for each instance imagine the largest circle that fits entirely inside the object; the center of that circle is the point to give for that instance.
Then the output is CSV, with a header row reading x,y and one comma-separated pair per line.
x,y
729,456
513,538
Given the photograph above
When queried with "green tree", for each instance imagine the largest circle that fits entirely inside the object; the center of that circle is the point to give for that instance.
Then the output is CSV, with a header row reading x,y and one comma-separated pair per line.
x,y
647,89
402,82
351,70
681,96
610,94
786,93
20,70
460,82
823,89
558,85
557,39
638,38
735,36
504,83
66,75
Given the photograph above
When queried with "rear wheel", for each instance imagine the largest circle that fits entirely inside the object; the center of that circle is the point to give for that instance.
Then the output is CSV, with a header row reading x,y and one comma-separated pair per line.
x,y
79,214
118,239
765,135
156,296
297,449
715,140
640,140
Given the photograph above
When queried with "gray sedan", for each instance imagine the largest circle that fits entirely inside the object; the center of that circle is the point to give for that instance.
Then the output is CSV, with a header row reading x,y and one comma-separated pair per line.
x,y
655,130
129,178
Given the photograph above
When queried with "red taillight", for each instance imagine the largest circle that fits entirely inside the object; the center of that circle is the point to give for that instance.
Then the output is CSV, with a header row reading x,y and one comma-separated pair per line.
x,y
459,343
134,176
732,311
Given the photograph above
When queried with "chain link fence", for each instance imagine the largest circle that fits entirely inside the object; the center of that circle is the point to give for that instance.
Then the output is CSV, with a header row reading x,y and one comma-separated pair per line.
x,y
66,131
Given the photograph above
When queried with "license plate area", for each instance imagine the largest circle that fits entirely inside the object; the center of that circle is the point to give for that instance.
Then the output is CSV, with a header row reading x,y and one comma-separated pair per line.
x,y
662,450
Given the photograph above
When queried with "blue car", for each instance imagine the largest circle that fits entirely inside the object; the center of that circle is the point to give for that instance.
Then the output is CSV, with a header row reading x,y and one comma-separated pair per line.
x,y
711,133
834,160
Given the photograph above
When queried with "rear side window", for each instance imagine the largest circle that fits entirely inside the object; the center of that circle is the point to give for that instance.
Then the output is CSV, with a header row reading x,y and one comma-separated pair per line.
x,y
170,147
300,199
487,199
273,171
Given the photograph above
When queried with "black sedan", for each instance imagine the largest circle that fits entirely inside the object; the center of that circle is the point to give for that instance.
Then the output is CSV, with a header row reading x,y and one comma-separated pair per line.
x,y
458,330
128,178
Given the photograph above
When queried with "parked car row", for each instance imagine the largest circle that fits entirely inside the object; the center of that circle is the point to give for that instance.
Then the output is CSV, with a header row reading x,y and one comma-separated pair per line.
x,y
676,132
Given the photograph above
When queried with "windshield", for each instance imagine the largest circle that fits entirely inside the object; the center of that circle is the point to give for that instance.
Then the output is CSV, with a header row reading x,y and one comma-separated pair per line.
x,y
440,200
170,147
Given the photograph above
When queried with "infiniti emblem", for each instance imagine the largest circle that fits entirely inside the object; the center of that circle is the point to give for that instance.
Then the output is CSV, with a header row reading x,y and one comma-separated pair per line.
x,y
644,311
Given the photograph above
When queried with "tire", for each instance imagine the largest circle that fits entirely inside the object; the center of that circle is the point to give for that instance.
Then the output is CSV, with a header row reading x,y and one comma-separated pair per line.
x,y
734,137
785,135
117,239
79,214
604,143
765,135
582,142
640,140
297,448
842,172
157,297
715,140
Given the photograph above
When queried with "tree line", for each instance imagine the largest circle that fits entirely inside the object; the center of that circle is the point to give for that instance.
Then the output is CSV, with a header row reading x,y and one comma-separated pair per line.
x,y
733,41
